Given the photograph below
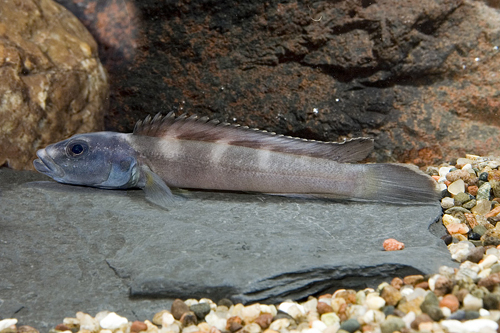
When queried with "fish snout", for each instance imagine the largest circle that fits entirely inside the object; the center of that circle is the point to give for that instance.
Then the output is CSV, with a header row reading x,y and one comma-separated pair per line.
x,y
45,164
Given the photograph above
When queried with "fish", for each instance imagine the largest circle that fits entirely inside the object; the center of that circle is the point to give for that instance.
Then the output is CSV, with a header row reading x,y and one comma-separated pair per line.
x,y
190,152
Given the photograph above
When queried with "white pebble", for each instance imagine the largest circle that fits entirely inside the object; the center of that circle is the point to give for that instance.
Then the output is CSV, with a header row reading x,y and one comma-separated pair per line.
x,y
409,318
311,330
447,202
214,320
318,325
310,305
407,290
452,325
293,309
458,186
449,219
190,329
87,322
6,323
432,281
167,319
493,251
484,313
446,311
472,303
250,328
480,326
443,171
250,313
460,250
374,302
372,316
484,273
264,308
113,321
279,324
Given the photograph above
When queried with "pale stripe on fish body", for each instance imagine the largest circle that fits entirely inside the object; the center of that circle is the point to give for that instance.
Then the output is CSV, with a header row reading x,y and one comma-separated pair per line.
x,y
191,152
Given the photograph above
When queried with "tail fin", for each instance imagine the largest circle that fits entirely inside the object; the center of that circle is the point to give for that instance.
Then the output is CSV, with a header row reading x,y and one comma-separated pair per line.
x,y
398,183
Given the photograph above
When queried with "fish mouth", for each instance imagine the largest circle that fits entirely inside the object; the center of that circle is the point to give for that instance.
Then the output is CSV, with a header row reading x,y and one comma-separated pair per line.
x,y
46,165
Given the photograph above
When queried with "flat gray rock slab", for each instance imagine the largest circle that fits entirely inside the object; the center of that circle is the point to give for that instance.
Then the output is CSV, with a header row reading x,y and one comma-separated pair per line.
x,y
66,248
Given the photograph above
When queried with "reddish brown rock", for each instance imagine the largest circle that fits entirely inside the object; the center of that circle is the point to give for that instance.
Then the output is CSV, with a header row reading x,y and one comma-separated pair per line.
x,y
413,279
178,308
138,326
53,84
61,327
265,319
234,324
397,283
490,282
322,307
450,301
424,285
443,286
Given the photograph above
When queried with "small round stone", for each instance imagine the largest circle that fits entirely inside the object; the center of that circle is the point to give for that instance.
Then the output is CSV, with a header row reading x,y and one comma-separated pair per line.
x,y
483,176
472,303
138,326
450,301
200,310
178,308
447,202
456,187
392,324
393,245
265,319
421,318
350,325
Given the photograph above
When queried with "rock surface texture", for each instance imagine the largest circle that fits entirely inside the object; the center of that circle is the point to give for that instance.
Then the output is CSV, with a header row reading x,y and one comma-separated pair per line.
x,y
84,249
421,78
52,82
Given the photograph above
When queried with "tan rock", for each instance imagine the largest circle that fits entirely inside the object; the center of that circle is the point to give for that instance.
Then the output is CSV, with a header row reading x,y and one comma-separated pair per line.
x,y
53,84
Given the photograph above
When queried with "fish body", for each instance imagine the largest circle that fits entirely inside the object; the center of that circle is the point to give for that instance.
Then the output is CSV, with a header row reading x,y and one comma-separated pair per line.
x,y
197,153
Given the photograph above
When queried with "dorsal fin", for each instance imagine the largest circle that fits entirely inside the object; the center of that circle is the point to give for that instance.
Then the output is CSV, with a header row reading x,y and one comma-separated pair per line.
x,y
203,129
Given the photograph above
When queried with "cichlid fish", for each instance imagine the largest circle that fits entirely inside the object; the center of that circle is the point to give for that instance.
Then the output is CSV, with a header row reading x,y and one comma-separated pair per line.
x,y
192,152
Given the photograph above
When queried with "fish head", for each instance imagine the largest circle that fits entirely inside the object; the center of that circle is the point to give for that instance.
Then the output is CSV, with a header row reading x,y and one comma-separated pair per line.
x,y
102,159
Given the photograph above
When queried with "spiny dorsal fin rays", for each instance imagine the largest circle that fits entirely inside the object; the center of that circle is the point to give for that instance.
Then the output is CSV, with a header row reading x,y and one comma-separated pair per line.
x,y
204,129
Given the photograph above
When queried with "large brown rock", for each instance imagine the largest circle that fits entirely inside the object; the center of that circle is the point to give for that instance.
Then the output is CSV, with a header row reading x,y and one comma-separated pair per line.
x,y
421,77
52,83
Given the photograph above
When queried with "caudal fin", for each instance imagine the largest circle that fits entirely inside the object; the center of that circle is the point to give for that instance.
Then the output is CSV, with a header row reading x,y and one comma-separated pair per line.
x,y
399,183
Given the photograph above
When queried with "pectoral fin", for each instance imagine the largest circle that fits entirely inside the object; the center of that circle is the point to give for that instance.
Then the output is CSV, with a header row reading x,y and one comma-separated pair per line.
x,y
155,188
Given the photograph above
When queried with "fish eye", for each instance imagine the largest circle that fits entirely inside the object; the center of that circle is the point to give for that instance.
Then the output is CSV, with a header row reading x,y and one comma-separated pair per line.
x,y
76,148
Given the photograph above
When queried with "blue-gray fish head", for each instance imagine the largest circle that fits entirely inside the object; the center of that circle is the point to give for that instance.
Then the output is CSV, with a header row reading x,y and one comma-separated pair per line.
x,y
102,159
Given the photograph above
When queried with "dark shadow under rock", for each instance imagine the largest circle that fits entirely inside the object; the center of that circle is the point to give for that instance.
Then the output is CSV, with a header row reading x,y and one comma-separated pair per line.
x,y
84,249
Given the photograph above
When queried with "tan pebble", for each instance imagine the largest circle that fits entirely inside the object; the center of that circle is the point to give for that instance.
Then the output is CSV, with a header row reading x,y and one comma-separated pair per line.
x,y
250,313
270,331
214,329
62,327
349,295
178,308
393,245
325,296
251,328
391,295
280,324
457,228
457,174
322,307
450,301
265,319
157,318
138,326
421,318
482,207
29,329
413,279
337,304
413,305
460,237
397,283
